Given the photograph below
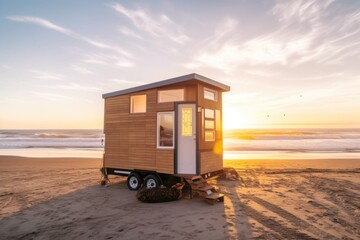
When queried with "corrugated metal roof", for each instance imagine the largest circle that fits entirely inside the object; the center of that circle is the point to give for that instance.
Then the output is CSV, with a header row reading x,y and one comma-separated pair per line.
x,y
170,81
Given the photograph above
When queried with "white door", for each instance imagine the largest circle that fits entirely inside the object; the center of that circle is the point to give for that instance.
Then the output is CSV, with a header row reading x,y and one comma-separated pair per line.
x,y
186,139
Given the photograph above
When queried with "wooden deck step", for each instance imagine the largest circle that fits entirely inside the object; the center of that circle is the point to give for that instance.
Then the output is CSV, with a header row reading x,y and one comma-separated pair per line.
x,y
208,192
205,188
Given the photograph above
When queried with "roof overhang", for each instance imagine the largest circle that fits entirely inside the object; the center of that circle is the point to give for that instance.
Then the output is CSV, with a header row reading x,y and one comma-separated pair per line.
x,y
170,81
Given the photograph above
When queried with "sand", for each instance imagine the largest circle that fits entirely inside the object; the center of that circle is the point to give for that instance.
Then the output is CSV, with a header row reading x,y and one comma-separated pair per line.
x,y
60,198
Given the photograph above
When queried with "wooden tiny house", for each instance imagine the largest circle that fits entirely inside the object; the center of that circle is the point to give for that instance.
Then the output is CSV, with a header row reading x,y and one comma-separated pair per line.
x,y
168,127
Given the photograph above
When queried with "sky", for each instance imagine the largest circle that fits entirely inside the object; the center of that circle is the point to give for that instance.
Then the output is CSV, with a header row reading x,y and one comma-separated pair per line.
x,y
290,64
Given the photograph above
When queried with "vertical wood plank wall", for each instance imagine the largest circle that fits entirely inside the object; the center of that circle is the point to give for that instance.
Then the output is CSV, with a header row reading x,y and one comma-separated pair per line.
x,y
130,138
210,153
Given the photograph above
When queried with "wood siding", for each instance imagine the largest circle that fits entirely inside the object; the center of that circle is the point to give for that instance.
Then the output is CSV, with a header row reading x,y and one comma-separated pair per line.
x,y
210,162
130,138
210,152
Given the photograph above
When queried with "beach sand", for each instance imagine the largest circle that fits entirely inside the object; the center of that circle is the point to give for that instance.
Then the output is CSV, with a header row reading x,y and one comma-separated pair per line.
x,y
60,198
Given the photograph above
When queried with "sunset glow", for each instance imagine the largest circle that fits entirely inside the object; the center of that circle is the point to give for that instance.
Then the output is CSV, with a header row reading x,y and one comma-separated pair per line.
x,y
289,63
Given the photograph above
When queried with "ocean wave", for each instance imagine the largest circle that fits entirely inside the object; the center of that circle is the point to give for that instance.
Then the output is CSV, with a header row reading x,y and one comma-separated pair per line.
x,y
51,134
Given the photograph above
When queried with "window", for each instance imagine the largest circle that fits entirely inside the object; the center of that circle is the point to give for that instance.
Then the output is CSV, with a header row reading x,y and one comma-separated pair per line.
x,y
209,136
209,124
210,94
186,122
138,104
173,95
218,120
209,113
165,130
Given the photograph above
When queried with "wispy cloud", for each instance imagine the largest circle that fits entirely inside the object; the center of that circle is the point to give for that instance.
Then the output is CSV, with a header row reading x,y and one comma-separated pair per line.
x,y
53,96
78,87
5,66
42,22
45,75
121,81
81,70
158,26
108,59
130,33
306,32
50,25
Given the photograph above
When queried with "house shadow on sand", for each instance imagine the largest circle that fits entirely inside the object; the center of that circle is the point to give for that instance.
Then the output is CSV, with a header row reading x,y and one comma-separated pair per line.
x,y
114,212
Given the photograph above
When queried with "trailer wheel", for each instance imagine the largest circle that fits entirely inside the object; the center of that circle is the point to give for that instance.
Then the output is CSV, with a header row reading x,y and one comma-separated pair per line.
x,y
134,181
152,181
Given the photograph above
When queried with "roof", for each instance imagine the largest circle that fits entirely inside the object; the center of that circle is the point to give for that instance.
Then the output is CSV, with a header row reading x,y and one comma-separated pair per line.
x,y
192,76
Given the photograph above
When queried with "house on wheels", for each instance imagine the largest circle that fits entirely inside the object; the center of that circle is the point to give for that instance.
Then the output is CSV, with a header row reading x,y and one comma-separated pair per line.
x,y
167,128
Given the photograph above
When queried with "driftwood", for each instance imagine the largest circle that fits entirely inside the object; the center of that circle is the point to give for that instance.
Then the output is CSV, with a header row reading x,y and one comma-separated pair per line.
x,y
160,194
230,174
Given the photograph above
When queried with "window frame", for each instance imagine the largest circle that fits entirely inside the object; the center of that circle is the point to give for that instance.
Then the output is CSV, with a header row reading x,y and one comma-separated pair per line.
x,y
213,119
158,130
131,104
211,91
163,90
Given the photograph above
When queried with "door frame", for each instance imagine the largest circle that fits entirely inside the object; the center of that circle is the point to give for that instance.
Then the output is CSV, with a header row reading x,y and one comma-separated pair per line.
x,y
176,115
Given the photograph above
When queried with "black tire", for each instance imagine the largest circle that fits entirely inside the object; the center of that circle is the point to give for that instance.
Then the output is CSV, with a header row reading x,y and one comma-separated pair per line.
x,y
152,181
134,181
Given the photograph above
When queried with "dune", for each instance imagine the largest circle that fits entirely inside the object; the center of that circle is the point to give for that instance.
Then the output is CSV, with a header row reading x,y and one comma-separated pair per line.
x,y
60,198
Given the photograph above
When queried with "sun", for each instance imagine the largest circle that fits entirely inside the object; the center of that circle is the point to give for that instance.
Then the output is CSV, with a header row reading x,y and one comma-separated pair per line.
x,y
233,118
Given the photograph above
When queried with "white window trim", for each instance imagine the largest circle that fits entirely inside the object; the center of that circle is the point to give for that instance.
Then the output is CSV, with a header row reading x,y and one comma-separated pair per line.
x,y
213,91
158,132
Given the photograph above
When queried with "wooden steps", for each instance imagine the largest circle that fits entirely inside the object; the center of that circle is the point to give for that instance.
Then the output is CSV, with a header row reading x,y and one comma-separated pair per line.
x,y
200,186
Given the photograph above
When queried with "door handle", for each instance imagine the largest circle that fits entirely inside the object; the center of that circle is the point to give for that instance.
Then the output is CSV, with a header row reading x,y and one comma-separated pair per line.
x,y
194,136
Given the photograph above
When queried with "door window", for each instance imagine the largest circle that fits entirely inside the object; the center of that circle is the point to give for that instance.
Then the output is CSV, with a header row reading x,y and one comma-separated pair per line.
x,y
186,121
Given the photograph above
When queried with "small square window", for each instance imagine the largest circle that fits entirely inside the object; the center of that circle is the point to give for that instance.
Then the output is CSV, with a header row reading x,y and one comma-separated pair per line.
x,y
209,113
138,104
209,124
210,94
209,136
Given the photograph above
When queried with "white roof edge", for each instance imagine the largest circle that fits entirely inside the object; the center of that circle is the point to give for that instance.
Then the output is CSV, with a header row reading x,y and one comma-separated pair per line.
x,y
170,81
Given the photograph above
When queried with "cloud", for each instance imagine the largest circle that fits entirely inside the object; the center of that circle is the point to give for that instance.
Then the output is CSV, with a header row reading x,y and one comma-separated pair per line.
x,y
42,22
47,24
109,59
81,70
116,80
46,75
158,26
77,87
306,32
130,33
5,66
52,96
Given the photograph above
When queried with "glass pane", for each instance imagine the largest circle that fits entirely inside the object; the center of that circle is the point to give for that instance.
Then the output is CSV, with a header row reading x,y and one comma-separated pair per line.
x,y
173,95
209,136
166,129
186,121
209,124
218,120
138,104
209,94
209,113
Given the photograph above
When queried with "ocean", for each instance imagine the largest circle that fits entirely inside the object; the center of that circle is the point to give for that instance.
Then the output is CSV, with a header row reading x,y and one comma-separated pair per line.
x,y
238,144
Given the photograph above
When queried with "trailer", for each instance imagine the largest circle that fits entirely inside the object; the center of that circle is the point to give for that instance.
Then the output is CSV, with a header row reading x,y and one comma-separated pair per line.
x,y
165,130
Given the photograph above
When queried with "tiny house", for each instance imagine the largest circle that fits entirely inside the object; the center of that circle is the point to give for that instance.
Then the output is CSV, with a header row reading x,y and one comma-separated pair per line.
x,y
167,128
